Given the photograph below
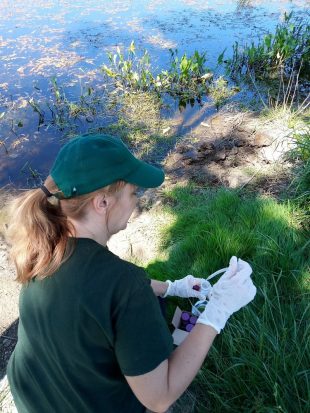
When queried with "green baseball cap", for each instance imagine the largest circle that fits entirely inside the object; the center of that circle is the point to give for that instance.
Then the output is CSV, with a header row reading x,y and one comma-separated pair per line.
x,y
90,162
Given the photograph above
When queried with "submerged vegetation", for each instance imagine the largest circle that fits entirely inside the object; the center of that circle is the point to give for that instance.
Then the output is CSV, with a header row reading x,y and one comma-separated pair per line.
x,y
139,123
279,64
275,70
187,78
288,48
220,92
131,71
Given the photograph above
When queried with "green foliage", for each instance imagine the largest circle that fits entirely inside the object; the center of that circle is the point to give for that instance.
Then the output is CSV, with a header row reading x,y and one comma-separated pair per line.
x,y
303,145
185,69
260,363
302,175
288,49
278,66
130,71
186,77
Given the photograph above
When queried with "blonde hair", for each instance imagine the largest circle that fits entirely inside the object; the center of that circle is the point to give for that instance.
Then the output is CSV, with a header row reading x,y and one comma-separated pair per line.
x,y
38,229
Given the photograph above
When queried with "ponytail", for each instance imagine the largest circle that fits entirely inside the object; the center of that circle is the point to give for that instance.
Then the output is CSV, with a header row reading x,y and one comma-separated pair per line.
x,y
39,229
37,232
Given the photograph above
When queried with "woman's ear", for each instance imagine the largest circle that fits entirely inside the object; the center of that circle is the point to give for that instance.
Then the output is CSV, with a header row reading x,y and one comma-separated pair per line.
x,y
101,203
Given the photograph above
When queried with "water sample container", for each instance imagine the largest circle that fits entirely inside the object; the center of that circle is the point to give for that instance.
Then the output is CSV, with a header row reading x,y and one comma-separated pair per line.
x,y
185,316
193,319
205,287
189,327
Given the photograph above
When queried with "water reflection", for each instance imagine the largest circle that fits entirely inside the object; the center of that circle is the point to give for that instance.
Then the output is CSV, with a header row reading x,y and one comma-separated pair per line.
x,y
242,4
69,41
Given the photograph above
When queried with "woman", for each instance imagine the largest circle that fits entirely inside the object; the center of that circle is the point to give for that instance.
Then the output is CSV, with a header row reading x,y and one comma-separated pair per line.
x,y
91,335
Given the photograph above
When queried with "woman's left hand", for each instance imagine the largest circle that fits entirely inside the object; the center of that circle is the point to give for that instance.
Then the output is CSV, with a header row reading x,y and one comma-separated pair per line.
x,y
184,288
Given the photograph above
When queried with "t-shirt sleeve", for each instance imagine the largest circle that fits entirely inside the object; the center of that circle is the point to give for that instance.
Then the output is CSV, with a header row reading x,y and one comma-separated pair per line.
x,y
142,337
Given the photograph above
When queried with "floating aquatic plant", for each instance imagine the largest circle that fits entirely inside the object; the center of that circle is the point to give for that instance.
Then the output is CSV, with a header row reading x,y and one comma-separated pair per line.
x,y
186,77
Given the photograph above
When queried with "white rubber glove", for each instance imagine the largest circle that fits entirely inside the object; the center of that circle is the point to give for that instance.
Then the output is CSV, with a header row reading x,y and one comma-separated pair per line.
x,y
184,288
234,290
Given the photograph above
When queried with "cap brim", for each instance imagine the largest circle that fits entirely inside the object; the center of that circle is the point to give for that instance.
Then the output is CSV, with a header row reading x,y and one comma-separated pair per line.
x,y
146,176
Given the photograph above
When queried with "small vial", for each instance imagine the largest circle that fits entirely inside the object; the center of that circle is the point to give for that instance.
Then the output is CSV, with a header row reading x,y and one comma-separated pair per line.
x,y
189,327
193,319
185,316
205,287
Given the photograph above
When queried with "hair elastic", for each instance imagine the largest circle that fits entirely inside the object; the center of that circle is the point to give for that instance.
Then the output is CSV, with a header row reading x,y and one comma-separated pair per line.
x,y
46,191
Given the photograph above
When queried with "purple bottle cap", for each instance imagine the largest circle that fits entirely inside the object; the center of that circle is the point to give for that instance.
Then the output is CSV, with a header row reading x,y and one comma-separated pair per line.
x,y
189,327
185,316
193,319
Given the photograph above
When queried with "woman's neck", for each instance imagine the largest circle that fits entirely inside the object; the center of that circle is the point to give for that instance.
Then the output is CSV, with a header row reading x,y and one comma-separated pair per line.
x,y
87,230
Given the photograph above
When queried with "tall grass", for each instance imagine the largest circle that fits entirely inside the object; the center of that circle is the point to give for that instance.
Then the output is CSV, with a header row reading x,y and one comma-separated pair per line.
x,y
260,363
301,154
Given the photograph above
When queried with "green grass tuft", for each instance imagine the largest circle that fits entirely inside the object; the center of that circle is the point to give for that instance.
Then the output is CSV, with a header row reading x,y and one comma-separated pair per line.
x,y
260,363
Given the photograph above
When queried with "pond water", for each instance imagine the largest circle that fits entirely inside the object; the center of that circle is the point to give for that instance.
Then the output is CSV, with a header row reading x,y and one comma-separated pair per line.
x,y
69,41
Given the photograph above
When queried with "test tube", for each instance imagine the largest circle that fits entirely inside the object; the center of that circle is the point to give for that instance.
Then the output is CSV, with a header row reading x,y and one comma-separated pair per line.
x,y
189,327
185,316
193,319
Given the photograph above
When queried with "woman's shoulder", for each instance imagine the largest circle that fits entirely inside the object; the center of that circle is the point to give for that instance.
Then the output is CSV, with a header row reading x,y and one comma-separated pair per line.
x,y
103,266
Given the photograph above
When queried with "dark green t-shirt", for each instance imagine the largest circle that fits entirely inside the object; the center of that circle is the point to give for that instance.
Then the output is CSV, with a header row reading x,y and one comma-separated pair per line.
x,y
81,330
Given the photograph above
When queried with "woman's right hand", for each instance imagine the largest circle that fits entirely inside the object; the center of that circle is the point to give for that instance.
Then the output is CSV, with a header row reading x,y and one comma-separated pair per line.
x,y
233,291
